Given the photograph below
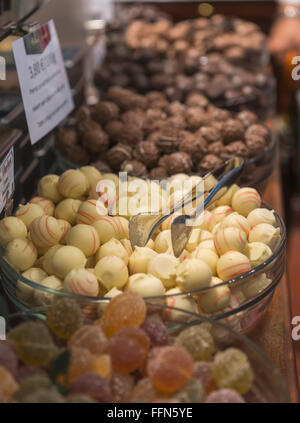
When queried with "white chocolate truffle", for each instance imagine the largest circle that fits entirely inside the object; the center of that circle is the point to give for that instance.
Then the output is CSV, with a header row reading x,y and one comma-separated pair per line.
x,y
230,239
257,216
258,253
184,255
193,274
81,282
216,298
92,174
110,227
48,188
163,266
65,228
145,285
47,205
67,210
73,184
235,220
245,200
110,294
183,302
123,226
266,233
110,177
206,221
205,235
216,228
256,285
21,254
207,255
47,259
84,237
28,213
67,258
112,247
139,259
168,222
10,228
127,245
90,211
221,212
33,274
208,244
111,271
163,242
41,296
45,231
150,244
226,199
232,264
238,295
193,240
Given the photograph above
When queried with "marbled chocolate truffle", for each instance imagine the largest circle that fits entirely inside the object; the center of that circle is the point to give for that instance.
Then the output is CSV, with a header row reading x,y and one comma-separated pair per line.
x,y
117,155
113,129
196,147
134,168
197,100
233,130
95,140
147,153
78,155
179,163
158,173
83,113
105,111
256,145
257,130
210,134
216,148
209,162
136,117
248,118
101,166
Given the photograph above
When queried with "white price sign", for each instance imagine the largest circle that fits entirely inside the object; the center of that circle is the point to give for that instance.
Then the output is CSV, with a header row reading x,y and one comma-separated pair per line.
x,y
43,80
7,179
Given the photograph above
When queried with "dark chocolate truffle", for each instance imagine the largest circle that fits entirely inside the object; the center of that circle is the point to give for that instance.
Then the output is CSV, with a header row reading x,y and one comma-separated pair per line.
x,y
233,130
78,155
257,130
66,139
238,149
105,111
158,173
247,117
195,146
101,166
210,134
147,153
117,155
195,118
216,148
95,140
209,162
179,162
256,144
134,168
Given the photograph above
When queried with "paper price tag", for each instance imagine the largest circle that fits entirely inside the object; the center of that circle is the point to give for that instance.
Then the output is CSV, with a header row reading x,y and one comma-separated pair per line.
x,y
7,179
43,80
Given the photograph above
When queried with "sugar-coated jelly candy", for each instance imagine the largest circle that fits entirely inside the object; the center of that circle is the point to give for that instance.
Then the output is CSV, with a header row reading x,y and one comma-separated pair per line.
x,y
8,357
64,317
157,331
44,395
101,365
92,385
33,343
169,368
128,349
8,385
80,363
25,372
198,341
30,385
126,310
121,387
232,370
193,391
203,372
144,391
224,396
90,337
79,399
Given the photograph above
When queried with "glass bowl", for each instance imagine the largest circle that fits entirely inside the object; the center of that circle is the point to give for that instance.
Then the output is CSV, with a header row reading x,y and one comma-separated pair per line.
x,y
247,304
268,385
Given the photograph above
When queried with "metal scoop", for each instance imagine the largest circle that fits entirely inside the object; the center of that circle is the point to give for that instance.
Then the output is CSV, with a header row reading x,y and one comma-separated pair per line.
x,y
143,225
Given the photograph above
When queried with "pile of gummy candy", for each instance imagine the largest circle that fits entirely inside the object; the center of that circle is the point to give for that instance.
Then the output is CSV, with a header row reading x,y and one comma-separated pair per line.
x,y
128,355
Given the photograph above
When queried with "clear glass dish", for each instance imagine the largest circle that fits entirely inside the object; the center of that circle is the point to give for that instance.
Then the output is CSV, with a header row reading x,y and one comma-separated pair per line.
x,y
268,386
242,314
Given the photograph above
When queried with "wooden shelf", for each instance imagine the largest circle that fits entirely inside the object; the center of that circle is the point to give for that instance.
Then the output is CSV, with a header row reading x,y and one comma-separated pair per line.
x,y
273,333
